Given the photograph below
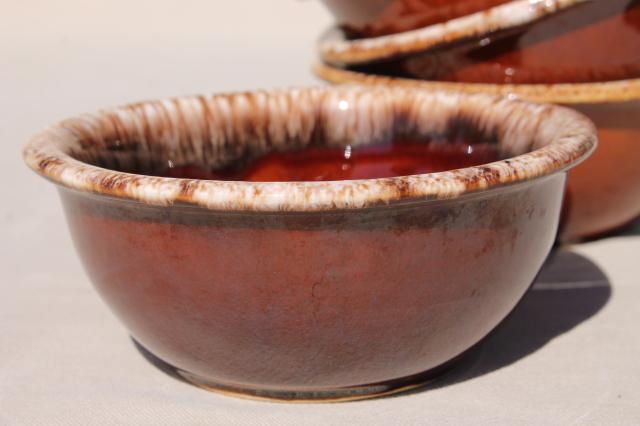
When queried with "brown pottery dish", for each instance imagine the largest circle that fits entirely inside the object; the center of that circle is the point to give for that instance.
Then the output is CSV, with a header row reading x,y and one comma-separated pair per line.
x,y
338,47
310,291
585,56
589,42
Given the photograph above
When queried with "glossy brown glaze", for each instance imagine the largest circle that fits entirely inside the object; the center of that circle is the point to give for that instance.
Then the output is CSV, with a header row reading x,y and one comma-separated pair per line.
x,y
311,290
315,302
396,158
337,48
85,153
593,41
367,18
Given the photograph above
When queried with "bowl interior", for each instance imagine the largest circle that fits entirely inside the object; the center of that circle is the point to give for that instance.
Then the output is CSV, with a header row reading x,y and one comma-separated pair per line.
x,y
232,131
88,153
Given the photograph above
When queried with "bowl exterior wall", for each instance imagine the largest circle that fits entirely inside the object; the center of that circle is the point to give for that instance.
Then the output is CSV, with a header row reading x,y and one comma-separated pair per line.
x,y
604,192
315,301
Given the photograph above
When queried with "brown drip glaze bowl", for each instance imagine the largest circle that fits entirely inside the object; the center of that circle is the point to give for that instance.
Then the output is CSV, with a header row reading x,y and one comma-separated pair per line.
x,y
310,291
588,42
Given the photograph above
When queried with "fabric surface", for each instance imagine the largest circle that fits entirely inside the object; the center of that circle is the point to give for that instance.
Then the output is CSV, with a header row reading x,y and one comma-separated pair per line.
x,y
567,355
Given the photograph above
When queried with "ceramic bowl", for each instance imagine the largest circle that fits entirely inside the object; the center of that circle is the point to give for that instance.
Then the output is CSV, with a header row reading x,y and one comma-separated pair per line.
x,y
590,42
337,47
603,194
310,291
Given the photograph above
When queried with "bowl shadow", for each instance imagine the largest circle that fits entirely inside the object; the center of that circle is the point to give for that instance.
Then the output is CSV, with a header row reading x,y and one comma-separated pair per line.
x,y
568,290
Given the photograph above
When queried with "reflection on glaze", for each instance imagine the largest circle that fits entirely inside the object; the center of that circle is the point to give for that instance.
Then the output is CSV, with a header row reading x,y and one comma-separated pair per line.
x,y
400,158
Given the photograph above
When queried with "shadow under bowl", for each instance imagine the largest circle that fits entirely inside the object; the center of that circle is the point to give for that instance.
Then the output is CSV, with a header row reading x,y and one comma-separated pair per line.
x,y
310,290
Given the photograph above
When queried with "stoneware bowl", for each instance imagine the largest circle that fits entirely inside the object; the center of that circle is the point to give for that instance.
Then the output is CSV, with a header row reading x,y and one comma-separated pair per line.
x,y
310,290
603,193
337,46
590,42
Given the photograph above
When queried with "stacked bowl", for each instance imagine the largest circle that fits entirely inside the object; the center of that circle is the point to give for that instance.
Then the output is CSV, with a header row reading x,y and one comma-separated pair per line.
x,y
582,54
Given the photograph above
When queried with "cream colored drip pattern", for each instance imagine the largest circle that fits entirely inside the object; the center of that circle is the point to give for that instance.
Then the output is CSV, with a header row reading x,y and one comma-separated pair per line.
x,y
220,129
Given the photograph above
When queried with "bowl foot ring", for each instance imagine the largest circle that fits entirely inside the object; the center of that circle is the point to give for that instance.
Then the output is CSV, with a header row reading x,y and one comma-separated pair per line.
x,y
354,393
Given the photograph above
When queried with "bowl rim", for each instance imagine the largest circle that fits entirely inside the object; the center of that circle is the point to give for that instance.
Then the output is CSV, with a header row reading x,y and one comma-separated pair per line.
x,y
569,138
334,48
560,93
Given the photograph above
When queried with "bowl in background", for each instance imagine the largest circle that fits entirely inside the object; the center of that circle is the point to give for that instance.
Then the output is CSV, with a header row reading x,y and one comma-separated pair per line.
x,y
590,42
336,46
310,291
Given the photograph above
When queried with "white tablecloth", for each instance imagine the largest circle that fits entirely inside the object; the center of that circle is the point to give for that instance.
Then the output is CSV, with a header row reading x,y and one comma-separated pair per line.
x,y
568,355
